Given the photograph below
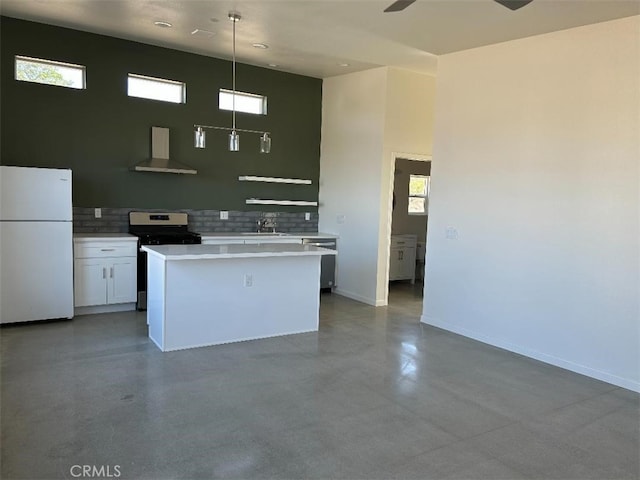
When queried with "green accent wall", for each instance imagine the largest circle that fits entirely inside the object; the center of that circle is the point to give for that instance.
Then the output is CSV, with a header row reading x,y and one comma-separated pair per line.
x,y
100,132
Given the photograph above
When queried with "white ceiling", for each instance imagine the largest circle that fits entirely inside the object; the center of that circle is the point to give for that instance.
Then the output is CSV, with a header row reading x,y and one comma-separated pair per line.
x,y
313,37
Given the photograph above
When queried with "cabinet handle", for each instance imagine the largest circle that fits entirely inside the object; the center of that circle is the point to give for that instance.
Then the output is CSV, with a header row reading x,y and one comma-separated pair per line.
x,y
400,254
104,272
111,272
107,249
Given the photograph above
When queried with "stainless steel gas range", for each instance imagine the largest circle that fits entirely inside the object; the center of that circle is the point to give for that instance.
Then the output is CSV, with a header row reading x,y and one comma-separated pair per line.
x,y
158,228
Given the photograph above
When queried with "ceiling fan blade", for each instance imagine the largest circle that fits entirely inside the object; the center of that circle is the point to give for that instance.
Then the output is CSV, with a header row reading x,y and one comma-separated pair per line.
x,y
398,5
514,4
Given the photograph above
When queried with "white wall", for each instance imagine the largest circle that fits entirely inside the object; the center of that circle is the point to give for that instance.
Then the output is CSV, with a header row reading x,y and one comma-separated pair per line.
x,y
536,165
366,117
408,129
353,109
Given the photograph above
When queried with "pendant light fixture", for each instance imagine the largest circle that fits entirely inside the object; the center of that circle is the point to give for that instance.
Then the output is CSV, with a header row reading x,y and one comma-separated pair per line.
x,y
234,138
200,138
265,143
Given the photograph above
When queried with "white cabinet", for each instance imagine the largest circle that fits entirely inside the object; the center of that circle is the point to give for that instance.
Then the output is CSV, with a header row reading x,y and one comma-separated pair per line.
x,y
105,271
104,281
402,257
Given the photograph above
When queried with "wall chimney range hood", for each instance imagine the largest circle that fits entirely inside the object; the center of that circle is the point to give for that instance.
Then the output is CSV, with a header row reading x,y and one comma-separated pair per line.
x,y
159,161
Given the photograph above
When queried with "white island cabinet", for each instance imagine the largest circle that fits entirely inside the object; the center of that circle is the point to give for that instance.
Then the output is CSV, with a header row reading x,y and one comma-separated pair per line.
x,y
201,295
105,272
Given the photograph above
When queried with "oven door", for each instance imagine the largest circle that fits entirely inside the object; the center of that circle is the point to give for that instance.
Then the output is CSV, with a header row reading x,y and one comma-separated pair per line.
x,y
327,262
141,302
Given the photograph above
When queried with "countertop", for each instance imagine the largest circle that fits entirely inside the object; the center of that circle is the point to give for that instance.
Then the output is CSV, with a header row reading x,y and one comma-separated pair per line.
x,y
115,237
236,235
104,237
209,252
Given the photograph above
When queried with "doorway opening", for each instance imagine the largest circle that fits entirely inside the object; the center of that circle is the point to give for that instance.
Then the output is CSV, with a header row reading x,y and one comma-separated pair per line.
x,y
410,189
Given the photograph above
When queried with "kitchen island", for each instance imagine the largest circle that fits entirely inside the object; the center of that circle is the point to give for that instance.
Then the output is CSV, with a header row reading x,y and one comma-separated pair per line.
x,y
200,295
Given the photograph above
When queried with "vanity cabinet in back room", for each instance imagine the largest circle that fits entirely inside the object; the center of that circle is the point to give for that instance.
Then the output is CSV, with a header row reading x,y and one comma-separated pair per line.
x,y
402,257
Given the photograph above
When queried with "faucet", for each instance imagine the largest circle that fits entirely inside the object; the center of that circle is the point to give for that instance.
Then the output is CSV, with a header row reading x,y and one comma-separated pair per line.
x,y
266,225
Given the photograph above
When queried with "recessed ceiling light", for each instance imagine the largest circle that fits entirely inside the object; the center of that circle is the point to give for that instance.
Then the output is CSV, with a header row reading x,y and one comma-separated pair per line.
x,y
343,64
260,45
273,65
162,24
214,20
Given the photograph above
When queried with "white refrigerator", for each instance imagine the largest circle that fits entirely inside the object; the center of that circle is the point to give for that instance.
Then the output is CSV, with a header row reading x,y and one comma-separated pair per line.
x,y
36,244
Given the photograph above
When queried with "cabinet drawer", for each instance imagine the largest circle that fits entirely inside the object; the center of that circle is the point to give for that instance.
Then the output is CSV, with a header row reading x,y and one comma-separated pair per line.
x,y
124,249
403,241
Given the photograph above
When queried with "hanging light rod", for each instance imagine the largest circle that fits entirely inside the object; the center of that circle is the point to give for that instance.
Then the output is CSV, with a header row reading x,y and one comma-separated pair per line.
x,y
228,129
200,137
234,138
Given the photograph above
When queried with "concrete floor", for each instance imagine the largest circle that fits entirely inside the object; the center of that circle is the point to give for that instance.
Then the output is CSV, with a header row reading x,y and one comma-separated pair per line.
x,y
373,394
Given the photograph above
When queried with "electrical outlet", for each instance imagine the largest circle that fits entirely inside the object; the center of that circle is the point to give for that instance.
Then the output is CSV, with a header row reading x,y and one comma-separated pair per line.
x,y
307,216
248,280
224,215
451,233
98,212
340,218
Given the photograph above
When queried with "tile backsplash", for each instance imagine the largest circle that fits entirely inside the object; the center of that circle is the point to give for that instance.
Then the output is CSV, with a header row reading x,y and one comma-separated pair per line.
x,y
116,220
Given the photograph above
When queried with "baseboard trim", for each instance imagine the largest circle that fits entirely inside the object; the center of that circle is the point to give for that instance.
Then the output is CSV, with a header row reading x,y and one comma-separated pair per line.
x,y
527,352
356,297
119,307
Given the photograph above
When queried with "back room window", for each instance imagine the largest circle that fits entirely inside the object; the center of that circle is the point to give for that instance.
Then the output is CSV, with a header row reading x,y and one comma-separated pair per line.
x,y
156,88
50,72
419,186
245,102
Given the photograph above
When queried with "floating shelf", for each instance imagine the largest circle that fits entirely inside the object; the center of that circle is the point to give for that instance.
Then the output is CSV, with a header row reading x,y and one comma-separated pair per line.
x,y
253,178
301,203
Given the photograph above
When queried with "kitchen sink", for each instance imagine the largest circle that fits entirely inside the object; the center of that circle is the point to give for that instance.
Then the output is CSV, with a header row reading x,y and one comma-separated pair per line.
x,y
271,234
